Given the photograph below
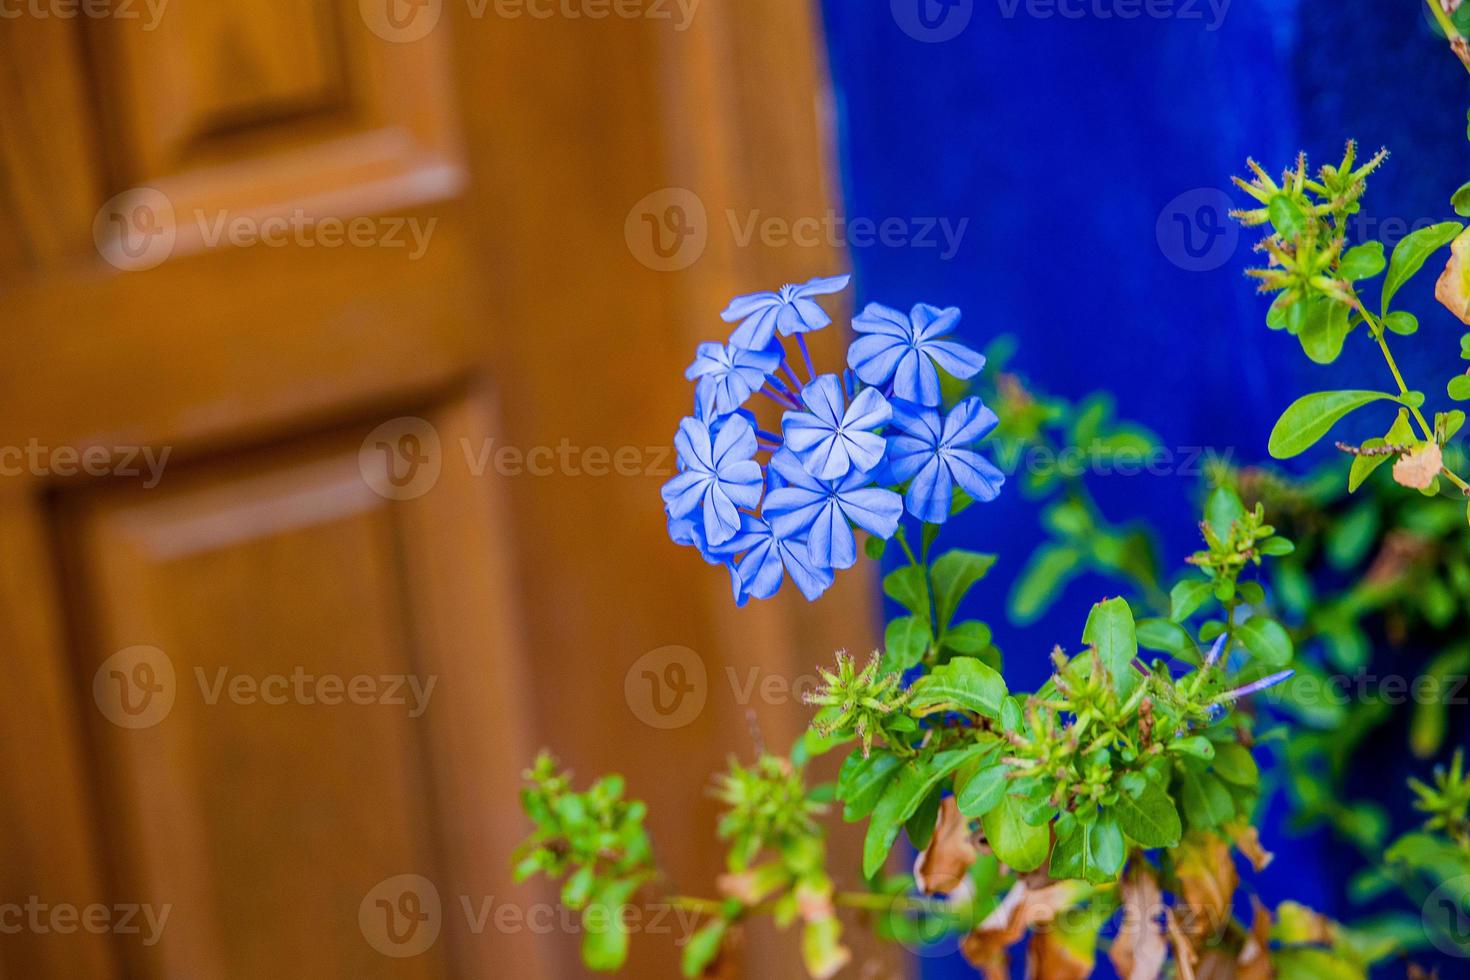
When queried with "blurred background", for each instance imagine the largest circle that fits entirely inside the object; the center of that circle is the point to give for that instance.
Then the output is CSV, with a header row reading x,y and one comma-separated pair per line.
x,y
345,345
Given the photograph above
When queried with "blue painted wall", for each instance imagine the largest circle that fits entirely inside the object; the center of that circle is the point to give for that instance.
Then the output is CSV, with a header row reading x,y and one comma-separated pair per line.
x,y
1088,154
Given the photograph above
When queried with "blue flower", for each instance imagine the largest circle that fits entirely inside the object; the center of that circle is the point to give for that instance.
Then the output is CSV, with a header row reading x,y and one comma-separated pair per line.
x,y
821,510
791,311
935,456
907,348
727,376
831,441
718,472
765,556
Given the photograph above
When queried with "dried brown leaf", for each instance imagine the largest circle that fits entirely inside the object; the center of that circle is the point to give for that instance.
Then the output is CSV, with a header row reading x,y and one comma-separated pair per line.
x,y
945,863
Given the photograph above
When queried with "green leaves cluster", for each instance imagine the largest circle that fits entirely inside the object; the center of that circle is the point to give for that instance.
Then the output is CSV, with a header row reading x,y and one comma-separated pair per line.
x,y
594,843
1317,281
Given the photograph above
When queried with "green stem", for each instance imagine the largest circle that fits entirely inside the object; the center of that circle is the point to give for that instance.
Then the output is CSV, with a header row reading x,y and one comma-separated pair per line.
x,y
1380,335
1451,32
866,901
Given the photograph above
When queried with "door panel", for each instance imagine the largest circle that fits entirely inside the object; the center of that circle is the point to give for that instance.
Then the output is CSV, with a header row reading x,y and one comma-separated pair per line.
x,y
290,527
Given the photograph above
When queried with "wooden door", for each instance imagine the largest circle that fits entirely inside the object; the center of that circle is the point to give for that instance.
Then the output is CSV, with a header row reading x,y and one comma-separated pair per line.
x,y
295,296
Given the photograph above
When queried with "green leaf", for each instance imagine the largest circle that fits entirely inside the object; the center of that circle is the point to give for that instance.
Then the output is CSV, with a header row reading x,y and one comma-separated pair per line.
x,y
1353,535
1410,254
861,782
1110,628
1186,598
907,587
969,637
1400,433
1402,322
920,824
1148,816
1222,510
605,928
1091,851
902,797
904,643
703,947
1460,200
1362,262
963,684
982,791
1014,841
874,546
1050,568
1285,216
1310,417
953,574
1325,330
1166,636
1206,801
578,887
1459,388
1194,745
1234,763
1266,639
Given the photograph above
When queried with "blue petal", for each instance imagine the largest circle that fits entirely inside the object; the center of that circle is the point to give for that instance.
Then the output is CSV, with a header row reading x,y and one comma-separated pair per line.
x,y
968,422
684,491
823,286
931,493
975,474
873,509
875,357
956,359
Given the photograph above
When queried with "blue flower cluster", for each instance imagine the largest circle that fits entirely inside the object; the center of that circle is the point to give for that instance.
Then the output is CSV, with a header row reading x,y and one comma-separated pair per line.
x,y
855,449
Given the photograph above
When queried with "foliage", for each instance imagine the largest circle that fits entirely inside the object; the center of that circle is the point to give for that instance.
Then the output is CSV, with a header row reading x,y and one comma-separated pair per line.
x,y
1105,809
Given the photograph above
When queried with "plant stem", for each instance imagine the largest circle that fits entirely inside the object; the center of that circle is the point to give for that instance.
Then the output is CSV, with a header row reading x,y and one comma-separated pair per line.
x,y
1380,335
867,901
1451,32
